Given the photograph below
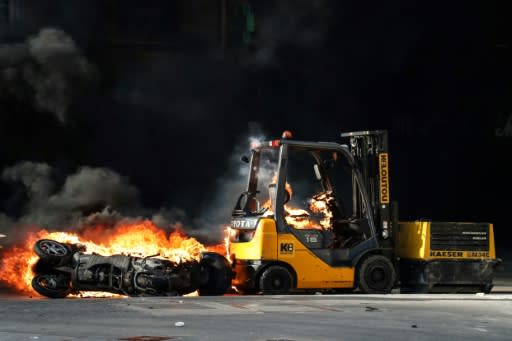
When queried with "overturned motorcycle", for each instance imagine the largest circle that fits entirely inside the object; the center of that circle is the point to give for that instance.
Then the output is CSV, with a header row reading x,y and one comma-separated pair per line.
x,y
65,269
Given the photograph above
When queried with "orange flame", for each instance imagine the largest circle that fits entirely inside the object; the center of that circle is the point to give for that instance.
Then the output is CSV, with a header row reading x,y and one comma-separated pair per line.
x,y
140,239
320,204
299,218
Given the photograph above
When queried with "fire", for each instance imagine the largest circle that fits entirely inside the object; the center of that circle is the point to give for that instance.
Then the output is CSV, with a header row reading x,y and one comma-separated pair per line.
x,y
299,218
227,234
136,239
320,204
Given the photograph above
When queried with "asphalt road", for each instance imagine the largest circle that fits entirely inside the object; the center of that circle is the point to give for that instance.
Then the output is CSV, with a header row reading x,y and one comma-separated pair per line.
x,y
295,317
283,318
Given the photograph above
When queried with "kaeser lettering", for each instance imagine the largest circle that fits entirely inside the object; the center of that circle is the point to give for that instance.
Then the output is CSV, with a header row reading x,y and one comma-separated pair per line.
x,y
446,254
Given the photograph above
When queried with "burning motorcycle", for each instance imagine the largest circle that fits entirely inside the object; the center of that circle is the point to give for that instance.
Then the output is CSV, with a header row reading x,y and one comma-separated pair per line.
x,y
65,269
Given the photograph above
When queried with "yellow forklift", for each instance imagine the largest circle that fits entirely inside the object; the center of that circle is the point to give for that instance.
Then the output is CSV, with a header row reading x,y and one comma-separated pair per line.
x,y
319,216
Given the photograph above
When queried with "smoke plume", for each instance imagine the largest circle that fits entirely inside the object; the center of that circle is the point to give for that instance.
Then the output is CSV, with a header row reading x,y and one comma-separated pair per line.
x,y
161,99
216,209
47,69
90,194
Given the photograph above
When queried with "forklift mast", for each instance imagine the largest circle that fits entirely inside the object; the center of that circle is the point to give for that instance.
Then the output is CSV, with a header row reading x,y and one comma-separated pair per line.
x,y
370,150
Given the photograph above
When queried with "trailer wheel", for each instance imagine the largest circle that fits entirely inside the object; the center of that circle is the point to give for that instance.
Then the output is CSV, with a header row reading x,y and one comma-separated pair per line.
x,y
376,275
275,280
486,288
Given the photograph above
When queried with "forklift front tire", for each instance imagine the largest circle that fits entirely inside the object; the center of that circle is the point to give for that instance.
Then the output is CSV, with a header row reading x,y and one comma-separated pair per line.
x,y
275,280
376,275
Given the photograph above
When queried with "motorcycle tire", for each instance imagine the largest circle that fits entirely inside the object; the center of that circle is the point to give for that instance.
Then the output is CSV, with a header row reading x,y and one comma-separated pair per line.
x,y
48,285
51,251
217,275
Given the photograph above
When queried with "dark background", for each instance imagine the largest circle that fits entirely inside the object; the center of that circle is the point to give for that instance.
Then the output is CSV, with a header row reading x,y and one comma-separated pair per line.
x,y
179,86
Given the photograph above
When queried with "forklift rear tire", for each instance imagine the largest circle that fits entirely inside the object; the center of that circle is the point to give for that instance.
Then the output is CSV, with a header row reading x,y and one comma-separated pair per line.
x,y
376,275
275,280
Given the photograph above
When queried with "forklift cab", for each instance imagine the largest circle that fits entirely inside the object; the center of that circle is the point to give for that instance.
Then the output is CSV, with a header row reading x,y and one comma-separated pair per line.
x,y
311,218
316,192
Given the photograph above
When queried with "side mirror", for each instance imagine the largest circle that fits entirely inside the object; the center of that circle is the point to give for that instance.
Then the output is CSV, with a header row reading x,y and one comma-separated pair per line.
x,y
317,172
244,159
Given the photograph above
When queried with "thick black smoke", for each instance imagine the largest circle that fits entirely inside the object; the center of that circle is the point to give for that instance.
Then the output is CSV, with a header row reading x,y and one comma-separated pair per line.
x,y
47,70
91,196
168,93
84,195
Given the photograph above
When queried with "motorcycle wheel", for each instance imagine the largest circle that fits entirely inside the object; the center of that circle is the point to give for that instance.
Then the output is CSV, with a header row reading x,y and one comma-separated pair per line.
x,y
52,286
51,251
217,275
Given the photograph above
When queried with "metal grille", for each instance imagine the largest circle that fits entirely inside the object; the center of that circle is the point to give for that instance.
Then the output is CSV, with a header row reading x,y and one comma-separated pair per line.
x,y
459,236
